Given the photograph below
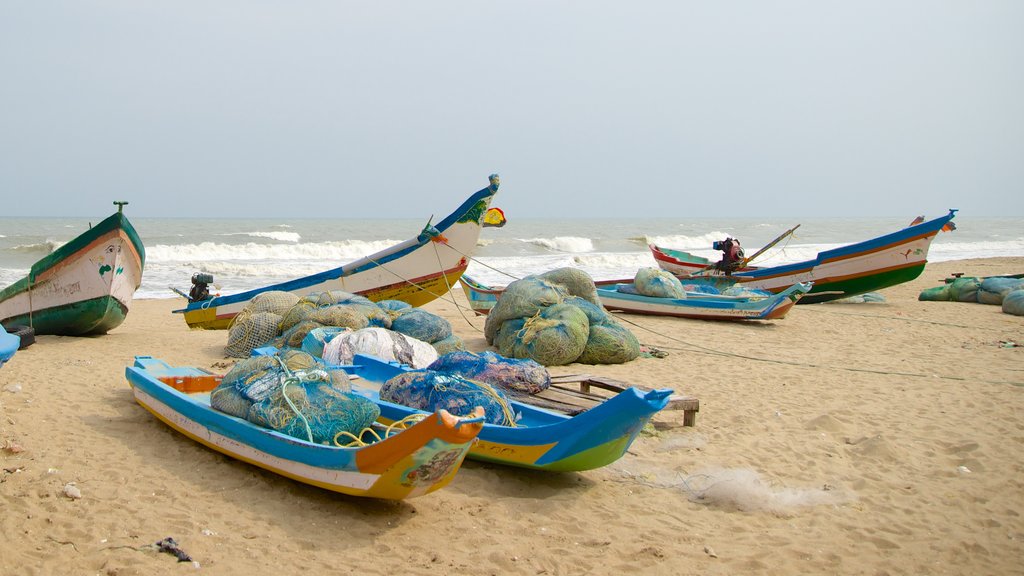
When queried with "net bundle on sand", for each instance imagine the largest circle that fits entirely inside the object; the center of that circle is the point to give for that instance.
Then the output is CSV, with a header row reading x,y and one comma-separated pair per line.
x,y
290,320
555,318
994,290
295,394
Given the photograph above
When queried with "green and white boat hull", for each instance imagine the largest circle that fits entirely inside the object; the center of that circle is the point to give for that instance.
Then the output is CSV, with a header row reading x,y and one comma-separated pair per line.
x,y
84,287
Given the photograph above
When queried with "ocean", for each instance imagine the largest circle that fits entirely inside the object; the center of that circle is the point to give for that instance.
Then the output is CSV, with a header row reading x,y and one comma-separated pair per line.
x,y
242,254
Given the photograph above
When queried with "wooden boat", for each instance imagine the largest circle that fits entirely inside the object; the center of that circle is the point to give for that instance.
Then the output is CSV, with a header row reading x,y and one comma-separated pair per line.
x,y
542,439
613,296
838,273
9,344
415,461
415,271
704,306
84,287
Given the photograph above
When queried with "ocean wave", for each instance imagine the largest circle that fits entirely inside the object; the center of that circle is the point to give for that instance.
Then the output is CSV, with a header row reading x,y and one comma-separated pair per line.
x,y
571,244
688,243
41,247
282,236
342,252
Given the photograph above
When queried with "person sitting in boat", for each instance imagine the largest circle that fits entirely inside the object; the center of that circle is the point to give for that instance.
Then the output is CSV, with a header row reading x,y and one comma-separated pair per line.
x,y
732,255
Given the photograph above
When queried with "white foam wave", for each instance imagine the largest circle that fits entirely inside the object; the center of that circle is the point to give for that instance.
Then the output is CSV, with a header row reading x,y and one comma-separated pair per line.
x,y
44,247
688,243
282,236
342,252
571,244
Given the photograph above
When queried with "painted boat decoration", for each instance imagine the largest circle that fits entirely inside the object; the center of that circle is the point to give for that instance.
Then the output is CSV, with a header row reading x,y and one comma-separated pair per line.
x,y
704,306
542,439
614,296
84,287
9,344
413,462
838,273
415,271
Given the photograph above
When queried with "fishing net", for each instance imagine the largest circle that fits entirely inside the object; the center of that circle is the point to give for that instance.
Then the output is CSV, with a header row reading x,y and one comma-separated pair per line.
x,y
575,281
422,325
505,339
450,344
314,342
522,299
276,301
1013,303
295,394
293,337
935,294
251,331
596,314
657,283
964,290
609,343
554,337
505,374
342,315
381,343
297,313
994,290
429,390
393,305
741,291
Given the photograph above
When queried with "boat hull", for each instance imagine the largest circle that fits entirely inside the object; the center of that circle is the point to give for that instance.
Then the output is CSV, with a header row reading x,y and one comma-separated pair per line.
x,y
9,344
416,271
698,306
706,307
839,273
84,287
416,461
543,440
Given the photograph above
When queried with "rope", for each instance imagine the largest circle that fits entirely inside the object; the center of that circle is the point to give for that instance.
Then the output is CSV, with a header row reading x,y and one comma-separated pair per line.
x,y
393,428
712,352
292,379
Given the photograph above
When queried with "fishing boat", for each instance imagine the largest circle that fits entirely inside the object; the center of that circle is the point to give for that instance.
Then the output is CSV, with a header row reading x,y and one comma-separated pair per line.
x,y
625,298
838,273
415,271
84,287
541,439
412,462
9,344
618,295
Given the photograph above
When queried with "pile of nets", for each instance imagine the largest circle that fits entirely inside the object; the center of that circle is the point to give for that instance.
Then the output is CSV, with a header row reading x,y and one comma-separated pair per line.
x,y
994,290
431,390
295,394
290,320
506,374
658,283
555,318
381,343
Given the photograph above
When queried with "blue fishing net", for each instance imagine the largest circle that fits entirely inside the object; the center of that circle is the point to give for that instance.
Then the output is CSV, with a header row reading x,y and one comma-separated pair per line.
x,y
315,340
295,394
658,283
506,374
1013,303
422,325
994,290
429,390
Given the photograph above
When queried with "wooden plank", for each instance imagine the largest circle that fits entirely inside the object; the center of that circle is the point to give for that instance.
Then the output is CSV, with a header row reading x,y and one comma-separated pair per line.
x,y
688,404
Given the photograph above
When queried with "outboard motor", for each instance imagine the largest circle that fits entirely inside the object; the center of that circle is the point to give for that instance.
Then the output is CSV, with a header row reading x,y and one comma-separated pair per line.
x,y
200,287
732,255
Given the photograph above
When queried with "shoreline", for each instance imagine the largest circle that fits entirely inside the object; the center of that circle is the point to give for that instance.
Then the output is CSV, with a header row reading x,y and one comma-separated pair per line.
x,y
846,438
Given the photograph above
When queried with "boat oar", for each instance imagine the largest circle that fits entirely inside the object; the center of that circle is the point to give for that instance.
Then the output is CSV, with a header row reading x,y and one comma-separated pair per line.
x,y
767,246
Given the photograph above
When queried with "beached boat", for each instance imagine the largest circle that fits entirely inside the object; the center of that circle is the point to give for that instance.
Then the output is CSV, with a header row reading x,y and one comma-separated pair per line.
x,y
9,344
614,295
84,287
415,461
623,297
415,271
838,273
541,439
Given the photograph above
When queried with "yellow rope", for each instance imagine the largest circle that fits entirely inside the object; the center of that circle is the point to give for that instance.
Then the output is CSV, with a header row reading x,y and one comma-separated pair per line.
x,y
393,428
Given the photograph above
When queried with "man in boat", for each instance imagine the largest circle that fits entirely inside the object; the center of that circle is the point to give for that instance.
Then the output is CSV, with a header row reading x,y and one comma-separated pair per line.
x,y
732,255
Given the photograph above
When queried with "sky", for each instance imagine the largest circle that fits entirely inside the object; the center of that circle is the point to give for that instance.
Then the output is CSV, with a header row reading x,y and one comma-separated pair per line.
x,y
586,108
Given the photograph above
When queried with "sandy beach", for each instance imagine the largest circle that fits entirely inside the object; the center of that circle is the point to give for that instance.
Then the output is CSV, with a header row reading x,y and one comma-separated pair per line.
x,y
870,438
